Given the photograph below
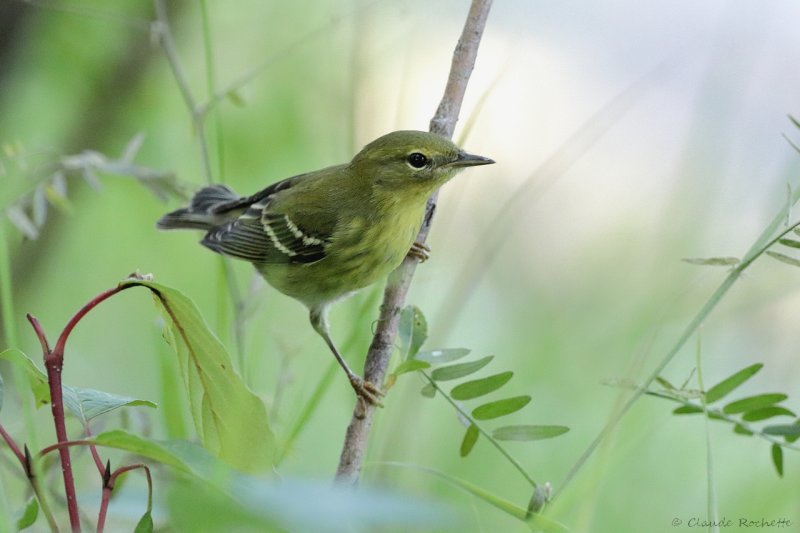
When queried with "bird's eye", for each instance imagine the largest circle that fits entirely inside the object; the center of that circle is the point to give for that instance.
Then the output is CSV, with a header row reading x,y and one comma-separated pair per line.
x,y
417,160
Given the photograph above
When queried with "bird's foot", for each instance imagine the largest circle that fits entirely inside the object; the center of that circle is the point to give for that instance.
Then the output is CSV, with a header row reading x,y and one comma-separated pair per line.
x,y
368,393
419,251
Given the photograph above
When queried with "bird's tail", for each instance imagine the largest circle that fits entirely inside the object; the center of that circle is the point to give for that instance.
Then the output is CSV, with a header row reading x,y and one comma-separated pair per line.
x,y
204,211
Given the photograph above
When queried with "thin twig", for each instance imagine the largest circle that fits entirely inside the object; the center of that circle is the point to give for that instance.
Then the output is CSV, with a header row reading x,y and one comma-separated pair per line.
x,y
161,28
762,244
380,351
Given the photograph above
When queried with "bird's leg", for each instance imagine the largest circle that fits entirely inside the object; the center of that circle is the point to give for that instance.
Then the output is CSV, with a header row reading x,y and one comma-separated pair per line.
x,y
366,391
420,251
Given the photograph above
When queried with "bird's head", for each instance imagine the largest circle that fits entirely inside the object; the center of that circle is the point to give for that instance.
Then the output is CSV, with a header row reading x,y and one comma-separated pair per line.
x,y
415,160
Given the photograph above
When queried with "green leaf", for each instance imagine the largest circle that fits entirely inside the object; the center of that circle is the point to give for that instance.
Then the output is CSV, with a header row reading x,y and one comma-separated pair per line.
x,y
528,432
460,370
36,378
2,392
446,355
28,515
479,387
777,459
230,419
784,258
410,365
470,438
429,391
86,404
21,221
791,243
724,387
184,456
766,412
145,524
787,430
235,98
412,332
664,383
687,410
794,121
711,261
753,402
741,430
39,206
500,408
534,521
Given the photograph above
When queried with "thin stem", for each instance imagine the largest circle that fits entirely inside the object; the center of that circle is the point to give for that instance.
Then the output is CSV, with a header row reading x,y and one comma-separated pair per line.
x,y
482,431
54,363
6,292
713,514
108,488
380,350
58,351
754,253
208,52
722,415
162,29
13,446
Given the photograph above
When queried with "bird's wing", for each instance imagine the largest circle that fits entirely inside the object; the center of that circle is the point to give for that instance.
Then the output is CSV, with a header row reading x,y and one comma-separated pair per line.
x,y
265,233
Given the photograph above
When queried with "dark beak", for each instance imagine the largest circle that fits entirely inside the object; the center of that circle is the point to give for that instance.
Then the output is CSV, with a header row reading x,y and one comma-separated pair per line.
x,y
463,159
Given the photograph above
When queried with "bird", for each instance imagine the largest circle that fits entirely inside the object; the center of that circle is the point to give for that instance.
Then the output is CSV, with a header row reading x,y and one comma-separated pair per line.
x,y
321,236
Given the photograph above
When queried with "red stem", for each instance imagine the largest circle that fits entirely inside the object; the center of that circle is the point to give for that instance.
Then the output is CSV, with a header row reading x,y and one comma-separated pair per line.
x,y
109,487
13,446
67,444
58,351
54,363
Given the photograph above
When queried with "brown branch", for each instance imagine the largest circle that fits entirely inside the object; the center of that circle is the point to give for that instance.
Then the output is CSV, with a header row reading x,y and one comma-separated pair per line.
x,y
380,351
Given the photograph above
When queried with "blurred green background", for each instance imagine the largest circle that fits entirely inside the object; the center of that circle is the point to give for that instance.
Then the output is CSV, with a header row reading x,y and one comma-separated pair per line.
x,y
628,135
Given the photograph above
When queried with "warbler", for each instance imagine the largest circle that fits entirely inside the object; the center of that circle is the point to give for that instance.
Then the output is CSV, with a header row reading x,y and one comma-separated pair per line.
x,y
319,237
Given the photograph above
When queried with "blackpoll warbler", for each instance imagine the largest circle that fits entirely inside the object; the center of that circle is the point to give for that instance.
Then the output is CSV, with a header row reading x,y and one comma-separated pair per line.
x,y
321,236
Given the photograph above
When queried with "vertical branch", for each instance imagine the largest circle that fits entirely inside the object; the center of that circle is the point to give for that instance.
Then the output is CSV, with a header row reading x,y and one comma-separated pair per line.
x,y
380,351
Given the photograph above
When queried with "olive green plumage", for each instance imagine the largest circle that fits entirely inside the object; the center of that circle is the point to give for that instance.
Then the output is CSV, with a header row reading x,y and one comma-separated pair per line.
x,y
320,236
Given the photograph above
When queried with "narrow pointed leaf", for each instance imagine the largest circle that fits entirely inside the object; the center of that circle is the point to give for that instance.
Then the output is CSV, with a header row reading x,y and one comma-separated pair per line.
x,y
410,365
791,243
787,430
145,524
470,438
784,258
129,154
412,332
28,515
479,387
794,121
724,387
429,391
528,432
86,404
711,261
231,420
21,221
459,370
687,410
446,355
664,383
766,412
777,459
753,402
36,378
741,430
39,206
500,408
